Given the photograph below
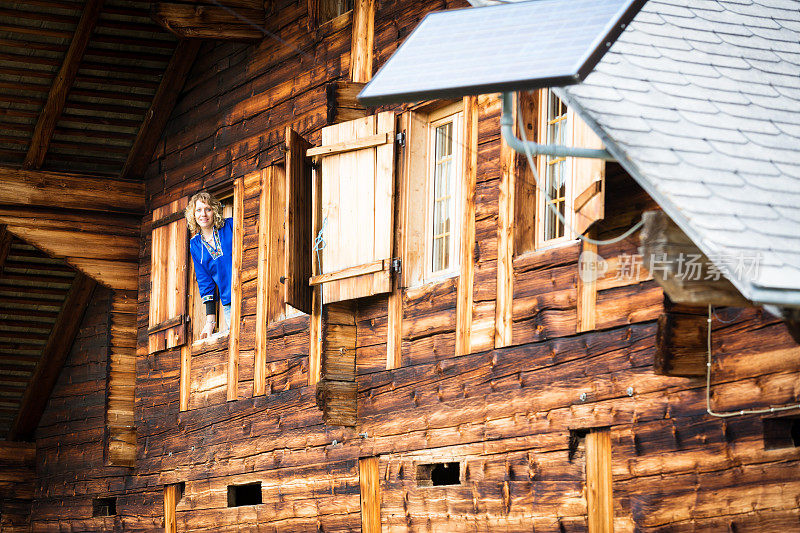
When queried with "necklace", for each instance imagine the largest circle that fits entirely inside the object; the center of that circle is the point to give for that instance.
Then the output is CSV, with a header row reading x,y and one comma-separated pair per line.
x,y
215,247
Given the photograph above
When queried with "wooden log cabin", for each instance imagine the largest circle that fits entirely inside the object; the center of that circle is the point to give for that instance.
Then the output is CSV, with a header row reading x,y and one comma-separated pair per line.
x,y
417,342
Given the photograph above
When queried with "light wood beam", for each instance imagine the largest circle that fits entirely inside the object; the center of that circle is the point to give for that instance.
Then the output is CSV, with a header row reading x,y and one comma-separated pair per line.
x,y
46,125
362,41
36,188
164,100
465,299
53,357
503,325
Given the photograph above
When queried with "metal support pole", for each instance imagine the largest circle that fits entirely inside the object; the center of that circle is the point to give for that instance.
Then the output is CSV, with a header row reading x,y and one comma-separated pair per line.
x,y
552,150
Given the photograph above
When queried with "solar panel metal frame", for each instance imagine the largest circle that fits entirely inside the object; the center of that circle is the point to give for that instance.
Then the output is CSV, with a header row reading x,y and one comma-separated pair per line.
x,y
578,70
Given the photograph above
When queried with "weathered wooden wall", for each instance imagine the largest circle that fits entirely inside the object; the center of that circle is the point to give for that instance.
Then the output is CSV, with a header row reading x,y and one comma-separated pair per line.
x,y
505,415
17,478
70,439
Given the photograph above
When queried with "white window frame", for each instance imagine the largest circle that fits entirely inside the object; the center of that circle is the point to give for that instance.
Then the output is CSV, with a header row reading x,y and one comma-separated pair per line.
x,y
452,113
541,202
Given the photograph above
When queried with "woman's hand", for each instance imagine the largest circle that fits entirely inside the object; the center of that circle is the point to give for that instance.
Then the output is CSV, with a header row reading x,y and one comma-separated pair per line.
x,y
208,329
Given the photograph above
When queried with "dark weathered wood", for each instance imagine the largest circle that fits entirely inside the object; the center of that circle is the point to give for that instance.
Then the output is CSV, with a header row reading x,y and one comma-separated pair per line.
x,y
164,100
681,342
298,222
228,20
36,188
342,102
45,126
52,359
663,241
5,245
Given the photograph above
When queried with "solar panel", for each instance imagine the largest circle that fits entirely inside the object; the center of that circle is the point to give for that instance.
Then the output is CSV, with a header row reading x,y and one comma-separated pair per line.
x,y
525,45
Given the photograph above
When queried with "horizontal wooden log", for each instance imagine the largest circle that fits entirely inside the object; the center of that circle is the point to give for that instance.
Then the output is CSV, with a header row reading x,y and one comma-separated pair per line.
x,y
227,20
36,188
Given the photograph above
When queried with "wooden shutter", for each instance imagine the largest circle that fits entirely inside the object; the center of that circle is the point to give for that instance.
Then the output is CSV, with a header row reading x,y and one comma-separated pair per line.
x,y
167,324
298,222
588,178
357,207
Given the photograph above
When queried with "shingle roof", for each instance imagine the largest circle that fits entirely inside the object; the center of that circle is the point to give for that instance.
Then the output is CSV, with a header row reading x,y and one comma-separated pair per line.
x,y
700,102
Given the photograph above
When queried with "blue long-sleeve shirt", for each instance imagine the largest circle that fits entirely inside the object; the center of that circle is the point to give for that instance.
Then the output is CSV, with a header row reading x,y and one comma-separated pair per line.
x,y
213,270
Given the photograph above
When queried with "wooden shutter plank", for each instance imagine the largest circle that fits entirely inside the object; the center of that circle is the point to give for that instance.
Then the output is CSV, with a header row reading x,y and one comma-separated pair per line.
x,y
384,201
277,249
588,179
358,203
168,264
350,145
365,179
299,236
350,272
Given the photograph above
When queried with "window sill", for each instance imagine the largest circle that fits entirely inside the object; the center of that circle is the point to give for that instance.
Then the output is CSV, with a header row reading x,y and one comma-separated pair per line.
x,y
442,276
217,341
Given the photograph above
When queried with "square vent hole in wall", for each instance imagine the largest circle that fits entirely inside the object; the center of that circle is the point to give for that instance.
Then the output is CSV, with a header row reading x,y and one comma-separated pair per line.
x,y
781,432
438,474
249,494
104,507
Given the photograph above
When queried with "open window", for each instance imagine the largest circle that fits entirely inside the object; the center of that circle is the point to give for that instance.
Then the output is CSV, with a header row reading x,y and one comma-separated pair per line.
x,y
231,199
432,187
570,197
198,317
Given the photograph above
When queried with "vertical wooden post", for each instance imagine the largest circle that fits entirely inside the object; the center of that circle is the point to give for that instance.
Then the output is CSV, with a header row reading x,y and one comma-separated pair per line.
x,y
170,503
598,481
262,288
467,247
236,289
186,369
394,339
587,286
369,481
361,46
505,246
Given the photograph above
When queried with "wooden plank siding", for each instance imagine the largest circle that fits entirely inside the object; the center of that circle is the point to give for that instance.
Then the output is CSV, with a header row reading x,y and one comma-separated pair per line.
x,y
401,398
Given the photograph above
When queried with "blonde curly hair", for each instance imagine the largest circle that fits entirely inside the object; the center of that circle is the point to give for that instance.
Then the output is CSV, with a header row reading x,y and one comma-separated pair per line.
x,y
206,198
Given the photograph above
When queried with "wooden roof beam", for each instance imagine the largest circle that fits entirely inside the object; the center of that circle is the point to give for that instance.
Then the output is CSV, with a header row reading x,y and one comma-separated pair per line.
x,y
164,100
36,188
53,358
234,20
663,241
43,133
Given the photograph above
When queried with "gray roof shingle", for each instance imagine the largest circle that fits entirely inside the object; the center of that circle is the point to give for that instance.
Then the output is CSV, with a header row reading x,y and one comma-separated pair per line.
x,y
700,101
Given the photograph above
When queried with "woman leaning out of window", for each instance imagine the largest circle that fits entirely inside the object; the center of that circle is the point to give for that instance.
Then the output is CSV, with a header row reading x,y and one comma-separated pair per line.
x,y
212,251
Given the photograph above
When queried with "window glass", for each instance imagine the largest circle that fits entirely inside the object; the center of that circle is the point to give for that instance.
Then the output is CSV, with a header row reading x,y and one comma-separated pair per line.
x,y
443,196
555,169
